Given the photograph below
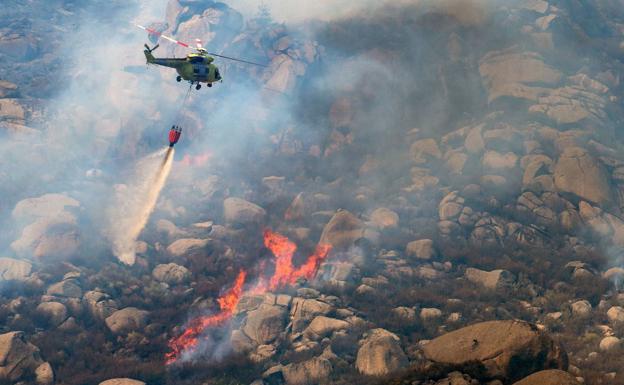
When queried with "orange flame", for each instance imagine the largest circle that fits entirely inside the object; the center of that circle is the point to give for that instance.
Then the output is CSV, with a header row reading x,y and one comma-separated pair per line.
x,y
283,250
190,338
285,274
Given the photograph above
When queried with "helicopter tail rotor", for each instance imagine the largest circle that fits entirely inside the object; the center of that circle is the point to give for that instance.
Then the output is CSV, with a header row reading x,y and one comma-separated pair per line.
x,y
150,50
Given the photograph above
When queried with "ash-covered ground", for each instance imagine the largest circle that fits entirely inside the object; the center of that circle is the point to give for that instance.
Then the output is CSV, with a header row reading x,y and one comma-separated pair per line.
x,y
411,192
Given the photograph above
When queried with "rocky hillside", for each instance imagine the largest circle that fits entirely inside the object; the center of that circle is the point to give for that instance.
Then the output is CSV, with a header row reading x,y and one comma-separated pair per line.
x,y
461,162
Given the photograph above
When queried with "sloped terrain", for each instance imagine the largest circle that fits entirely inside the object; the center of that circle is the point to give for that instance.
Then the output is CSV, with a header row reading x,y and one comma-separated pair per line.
x,y
415,194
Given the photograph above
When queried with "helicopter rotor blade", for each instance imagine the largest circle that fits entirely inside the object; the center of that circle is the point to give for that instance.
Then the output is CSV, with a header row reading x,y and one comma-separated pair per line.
x,y
235,59
158,34
198,44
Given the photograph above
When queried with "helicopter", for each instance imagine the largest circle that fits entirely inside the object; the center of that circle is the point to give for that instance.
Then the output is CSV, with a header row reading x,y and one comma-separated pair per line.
x,y
196,68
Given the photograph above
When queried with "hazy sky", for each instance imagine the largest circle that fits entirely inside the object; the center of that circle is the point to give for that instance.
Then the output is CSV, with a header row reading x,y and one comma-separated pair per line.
x,y
298,10
293,11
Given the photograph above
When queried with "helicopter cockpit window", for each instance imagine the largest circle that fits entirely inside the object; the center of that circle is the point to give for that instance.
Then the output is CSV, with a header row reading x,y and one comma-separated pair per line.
x,y
197,59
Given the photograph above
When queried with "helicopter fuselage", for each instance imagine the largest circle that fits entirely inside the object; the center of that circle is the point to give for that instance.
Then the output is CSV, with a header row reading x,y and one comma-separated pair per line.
x,y
197,67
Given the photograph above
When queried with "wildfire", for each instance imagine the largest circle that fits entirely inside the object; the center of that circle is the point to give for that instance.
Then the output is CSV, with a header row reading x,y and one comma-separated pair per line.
x,y
283,249
190,338
285,274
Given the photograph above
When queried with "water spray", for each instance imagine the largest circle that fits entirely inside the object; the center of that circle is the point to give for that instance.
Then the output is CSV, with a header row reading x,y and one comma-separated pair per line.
x,y
135,202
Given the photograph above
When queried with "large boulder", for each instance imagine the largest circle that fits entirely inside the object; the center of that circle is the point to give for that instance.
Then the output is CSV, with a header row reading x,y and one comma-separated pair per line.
x,y
609,343
56,237
423,150
493,280
18,358
99,304
66,288
380,353
420,249
569,105
50,226
308,308
342,230
322,326
241,212
54,312
615,314
496,162
581,309
212,22
48,205
514,74
283,73
384,218
171,273
122,381
44,375
578,173
127,320
265,323
14,269
549,377
338,273
508,350
311,372
183,246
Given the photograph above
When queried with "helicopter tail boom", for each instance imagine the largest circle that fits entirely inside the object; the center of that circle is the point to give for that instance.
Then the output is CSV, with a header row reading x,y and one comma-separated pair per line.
x,y
149,57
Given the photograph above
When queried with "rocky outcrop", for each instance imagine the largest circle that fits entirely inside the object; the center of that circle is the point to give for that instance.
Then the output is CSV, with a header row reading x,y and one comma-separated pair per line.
x,y
100,305
578,173
342,230
68,288
55,313
493,280
56,237
127,320
549,377
384,218
265,323
380,353
44,375
338,273
241,212
424,150
182,247
510,73
508,350
420,249
615,314
314,371
122,381
48,205
50,227
20,359
14,269
171,273
322,326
